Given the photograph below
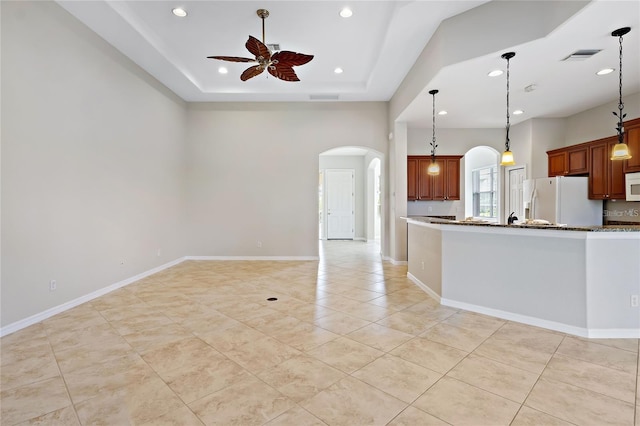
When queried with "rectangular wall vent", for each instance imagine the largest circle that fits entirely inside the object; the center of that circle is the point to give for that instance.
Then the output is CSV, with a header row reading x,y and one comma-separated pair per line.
x,y
328,97
582,54
274,47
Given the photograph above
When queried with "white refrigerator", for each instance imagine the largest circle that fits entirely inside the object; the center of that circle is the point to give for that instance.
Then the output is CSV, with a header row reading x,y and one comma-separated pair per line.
x,y
561,200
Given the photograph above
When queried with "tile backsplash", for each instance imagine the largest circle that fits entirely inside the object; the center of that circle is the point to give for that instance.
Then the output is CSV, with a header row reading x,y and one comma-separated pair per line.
x,y
621,211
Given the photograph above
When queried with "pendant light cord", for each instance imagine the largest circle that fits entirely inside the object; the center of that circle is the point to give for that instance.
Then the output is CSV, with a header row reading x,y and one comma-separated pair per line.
x,y
433,140
620,103
506,144
433,125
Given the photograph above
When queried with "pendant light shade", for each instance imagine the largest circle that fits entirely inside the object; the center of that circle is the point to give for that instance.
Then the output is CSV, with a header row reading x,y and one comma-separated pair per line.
x,y
507,159
434,167
507,155
620,150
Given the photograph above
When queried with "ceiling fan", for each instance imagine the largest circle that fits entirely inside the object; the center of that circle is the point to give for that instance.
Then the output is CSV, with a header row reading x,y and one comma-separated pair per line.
x,y
279,64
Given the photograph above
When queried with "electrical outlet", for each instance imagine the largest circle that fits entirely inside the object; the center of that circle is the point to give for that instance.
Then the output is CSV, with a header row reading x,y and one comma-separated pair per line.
x,y
634,300
422,265
53,285
259,244
159,253
122,262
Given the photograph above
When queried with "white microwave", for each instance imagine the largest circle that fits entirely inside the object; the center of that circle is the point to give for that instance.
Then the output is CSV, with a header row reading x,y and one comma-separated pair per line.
x,y
632,183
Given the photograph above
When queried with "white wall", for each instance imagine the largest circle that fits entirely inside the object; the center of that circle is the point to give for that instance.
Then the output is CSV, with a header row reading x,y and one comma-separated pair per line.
x,y
599,122
253,172
92,163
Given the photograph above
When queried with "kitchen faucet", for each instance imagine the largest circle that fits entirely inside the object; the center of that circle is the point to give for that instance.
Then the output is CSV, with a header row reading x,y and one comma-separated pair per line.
x,y
511,219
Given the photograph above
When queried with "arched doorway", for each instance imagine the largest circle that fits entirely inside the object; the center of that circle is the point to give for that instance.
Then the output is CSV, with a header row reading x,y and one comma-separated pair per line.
x,y
366,165
482,183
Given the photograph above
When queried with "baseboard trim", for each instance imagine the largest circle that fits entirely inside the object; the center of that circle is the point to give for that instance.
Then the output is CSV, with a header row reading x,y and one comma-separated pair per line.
x,y
273,258
612,333
395,262
424,287
41,316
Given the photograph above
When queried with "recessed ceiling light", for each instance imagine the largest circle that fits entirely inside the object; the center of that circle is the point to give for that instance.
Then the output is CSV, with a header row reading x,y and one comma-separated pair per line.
x,y
443,112
518,112
346,12
338,70
605,71
495,73
178,11
223,70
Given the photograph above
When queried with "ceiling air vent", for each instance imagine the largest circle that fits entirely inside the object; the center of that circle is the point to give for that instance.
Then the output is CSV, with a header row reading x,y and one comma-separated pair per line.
x,y
328,97
582,54
274,47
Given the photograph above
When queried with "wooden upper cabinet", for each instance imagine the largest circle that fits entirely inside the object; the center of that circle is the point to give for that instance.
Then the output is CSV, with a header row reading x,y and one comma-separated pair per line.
x,y
425,186
573,160
606,177
445,186
632,135
578,160
412,179
557,163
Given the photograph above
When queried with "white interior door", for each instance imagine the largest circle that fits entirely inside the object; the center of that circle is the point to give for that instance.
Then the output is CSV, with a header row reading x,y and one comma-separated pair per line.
x,y
340,202
515,177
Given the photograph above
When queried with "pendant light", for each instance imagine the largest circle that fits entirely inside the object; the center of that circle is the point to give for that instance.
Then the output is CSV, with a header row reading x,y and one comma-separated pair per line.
x,y
507,155
620,150
434,168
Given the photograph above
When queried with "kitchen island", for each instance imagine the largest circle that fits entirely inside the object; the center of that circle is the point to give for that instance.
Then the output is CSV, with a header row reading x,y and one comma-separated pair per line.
x,y
577,280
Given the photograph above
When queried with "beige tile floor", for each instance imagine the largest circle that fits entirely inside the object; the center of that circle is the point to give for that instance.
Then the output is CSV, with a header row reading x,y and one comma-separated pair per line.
x,y
350,341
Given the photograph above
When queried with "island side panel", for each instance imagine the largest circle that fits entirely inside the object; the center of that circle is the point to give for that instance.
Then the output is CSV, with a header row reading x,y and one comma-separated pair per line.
x,y
536,277
425,257
613,271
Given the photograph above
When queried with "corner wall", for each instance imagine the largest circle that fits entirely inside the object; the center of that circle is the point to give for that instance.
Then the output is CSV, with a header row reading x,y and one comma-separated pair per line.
x,y
92,163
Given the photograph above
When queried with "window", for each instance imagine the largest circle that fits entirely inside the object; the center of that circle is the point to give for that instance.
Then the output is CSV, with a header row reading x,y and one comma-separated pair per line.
x,y
485,187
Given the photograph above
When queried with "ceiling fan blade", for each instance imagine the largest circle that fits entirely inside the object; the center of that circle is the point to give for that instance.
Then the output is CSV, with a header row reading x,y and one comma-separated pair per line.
x,y
258,48
283,72
251,72
291,59
232,58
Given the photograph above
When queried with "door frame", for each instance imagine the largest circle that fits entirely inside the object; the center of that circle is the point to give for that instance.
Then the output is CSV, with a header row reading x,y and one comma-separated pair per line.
x,y
325,195
507,188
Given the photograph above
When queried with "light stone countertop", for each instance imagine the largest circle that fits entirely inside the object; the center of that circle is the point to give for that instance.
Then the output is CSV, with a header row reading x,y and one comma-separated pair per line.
x,y
605,228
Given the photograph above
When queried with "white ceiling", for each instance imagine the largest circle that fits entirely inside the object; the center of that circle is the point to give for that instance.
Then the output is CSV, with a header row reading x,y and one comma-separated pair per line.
x,y
376,47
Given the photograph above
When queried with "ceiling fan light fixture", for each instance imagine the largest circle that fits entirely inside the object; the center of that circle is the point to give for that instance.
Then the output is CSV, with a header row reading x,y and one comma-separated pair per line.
x,y
279,64
179,12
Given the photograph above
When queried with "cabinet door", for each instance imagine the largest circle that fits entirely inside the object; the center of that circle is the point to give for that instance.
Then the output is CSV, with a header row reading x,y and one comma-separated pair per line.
x,y
633,140
425,191
452,169
578,161
412,179
598,181
616,176
557,164
439,182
